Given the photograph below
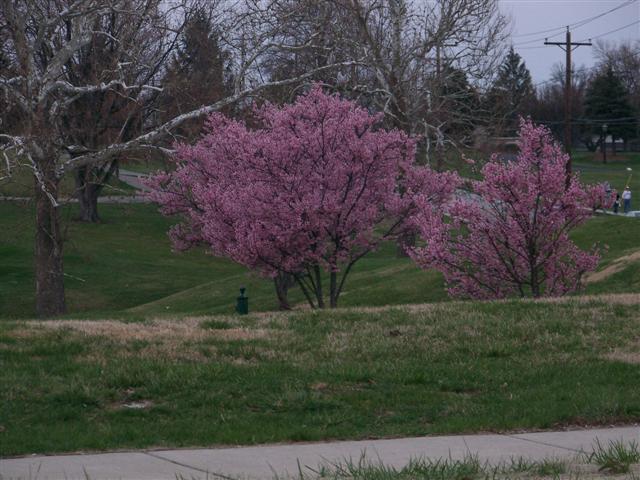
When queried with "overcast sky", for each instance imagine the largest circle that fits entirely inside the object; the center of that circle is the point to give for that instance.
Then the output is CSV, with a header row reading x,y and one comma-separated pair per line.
x,y
535,15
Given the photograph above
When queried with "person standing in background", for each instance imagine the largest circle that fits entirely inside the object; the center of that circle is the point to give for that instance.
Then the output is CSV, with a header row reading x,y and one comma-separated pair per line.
x,y
626,199
616,204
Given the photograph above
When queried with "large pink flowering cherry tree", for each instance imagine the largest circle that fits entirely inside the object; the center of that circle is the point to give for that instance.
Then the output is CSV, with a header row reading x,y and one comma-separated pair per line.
x,y
301,198
510,235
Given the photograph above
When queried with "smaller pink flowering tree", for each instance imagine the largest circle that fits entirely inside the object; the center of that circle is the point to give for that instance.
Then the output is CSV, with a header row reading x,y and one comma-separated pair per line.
x,y
301,198
510,235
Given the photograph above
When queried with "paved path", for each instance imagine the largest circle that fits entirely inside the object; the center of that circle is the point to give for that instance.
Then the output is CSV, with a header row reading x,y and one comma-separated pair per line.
x,y
263,462
135,179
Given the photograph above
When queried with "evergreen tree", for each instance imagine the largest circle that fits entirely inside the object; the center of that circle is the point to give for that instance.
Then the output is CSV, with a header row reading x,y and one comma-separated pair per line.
x,y
197,75
460,104
512,95
607,102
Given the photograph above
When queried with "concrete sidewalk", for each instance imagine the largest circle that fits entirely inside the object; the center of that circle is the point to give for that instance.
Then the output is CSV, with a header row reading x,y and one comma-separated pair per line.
x,y
264,462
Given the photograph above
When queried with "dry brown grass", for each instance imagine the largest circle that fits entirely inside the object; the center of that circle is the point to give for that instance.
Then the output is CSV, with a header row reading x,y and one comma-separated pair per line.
x,y
611,299
616,266
171,339
189,339
632,358
186,329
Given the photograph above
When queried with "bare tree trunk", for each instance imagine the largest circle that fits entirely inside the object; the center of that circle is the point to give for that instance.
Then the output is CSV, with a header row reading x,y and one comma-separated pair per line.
x,y
89,183
48,249
283,282
87,194
333,290
318,284
535,284
299,279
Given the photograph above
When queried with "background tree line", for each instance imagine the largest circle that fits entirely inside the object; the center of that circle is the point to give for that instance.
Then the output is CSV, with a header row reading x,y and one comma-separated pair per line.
x,y
607,94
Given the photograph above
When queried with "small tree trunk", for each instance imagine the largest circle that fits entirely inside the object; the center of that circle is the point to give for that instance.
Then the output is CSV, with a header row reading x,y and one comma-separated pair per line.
x,y
87,194
319,294
88,201
535,284
333,290
283,282
48,249
305,291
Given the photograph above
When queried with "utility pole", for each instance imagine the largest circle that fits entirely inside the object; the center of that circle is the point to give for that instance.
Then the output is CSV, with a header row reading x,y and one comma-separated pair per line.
x,y
568,47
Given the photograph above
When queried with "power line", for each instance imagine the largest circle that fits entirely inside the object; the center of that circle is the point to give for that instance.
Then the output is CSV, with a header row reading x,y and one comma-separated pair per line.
x,y
588,122
614,31
584,22
577,24
585,39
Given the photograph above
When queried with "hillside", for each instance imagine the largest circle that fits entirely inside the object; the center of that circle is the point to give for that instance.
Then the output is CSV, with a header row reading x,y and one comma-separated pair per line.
x,y
125,267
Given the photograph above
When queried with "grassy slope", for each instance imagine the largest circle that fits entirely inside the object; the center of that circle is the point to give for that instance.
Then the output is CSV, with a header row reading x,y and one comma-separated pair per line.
x,y
592,170
449,367
126,265
21,185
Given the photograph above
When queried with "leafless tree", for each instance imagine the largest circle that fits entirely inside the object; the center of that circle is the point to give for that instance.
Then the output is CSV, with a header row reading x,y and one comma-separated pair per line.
x,y
126,47
422,63
624,58
41,39
414,50
548,108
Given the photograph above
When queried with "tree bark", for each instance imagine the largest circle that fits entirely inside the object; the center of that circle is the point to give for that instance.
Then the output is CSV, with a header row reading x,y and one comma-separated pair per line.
x,y
318,285
89,183
49,275
305,291
535,284
333,290
88,202
283,282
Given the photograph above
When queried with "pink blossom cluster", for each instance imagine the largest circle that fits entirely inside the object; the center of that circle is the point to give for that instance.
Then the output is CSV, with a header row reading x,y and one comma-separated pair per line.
x,y
510,235
316,186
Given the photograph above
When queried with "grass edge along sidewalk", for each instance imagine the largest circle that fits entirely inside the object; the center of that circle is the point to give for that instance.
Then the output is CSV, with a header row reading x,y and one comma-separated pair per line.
x,y
572,454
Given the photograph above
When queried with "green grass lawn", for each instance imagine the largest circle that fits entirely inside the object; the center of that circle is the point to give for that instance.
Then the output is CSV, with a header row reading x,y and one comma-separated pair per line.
x,y
125,265
271,377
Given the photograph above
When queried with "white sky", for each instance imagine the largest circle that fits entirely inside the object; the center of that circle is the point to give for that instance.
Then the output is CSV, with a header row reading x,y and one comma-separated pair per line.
x,y
536,15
